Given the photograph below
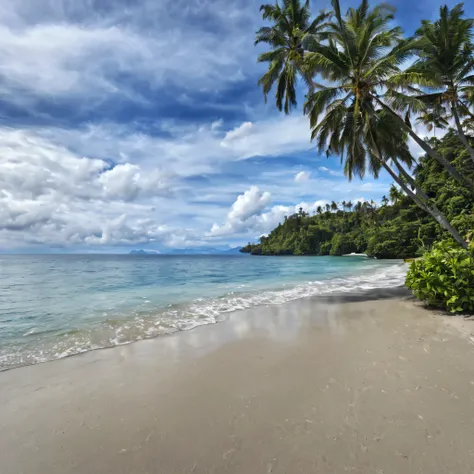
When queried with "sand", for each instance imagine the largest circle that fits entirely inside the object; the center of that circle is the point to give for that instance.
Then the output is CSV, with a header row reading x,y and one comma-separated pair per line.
x,y
368,384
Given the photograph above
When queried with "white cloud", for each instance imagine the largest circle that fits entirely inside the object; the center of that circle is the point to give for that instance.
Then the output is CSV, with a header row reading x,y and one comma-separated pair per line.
x,y
238,133
134,179
59,188
331,172
246,216
50,195
127,182
283,134
247,205
105,185
302,176
217,124
67,49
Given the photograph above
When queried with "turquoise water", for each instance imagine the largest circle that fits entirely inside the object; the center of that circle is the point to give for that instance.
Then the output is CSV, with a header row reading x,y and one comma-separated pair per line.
x,y
52,306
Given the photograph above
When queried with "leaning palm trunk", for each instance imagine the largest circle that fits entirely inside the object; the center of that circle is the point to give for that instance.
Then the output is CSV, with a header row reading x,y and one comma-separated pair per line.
x,y
468,182
421,199
461,134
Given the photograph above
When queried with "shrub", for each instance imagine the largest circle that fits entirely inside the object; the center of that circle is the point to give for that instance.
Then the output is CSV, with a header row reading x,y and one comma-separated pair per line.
x,y
444,277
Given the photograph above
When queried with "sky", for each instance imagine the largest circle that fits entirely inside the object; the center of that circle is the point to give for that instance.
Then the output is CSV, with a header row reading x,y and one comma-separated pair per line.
x,y
131,124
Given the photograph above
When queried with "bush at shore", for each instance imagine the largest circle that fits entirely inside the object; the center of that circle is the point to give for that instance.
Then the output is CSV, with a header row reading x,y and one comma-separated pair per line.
x,y
444,278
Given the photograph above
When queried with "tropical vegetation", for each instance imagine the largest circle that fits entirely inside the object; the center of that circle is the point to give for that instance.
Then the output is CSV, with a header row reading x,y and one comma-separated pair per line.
x,y
395,228
367,87
444,278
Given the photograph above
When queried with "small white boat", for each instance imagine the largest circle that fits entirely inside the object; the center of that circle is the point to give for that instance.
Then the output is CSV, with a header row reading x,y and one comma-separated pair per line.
x,y
353,254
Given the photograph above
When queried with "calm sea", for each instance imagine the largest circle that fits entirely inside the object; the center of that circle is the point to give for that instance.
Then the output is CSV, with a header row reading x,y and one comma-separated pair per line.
x,y
52,306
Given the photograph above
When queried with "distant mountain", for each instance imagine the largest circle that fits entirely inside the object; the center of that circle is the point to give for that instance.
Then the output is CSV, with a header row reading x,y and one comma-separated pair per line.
x,y
235,250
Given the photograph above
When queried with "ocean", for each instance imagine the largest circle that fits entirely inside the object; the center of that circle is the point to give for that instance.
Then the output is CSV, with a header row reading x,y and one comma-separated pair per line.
x,y
54,306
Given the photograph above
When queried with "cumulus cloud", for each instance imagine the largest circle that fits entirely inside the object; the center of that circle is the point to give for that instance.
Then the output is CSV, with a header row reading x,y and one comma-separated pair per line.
x,y
50,195
247,217
246,206
127,182
302,176
73,187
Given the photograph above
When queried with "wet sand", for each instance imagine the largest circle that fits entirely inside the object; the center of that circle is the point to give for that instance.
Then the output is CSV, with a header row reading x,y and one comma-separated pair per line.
x,y
363,384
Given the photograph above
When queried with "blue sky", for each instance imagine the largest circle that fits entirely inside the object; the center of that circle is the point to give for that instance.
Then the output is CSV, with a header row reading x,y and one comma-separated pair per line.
x,y
139,124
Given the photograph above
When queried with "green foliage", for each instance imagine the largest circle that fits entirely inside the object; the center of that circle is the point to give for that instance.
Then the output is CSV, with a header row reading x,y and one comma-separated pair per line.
x,y
342,244
325,248
397,229
444,277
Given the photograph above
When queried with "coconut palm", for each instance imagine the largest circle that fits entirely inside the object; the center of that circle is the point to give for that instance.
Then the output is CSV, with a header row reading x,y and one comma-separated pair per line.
x,y
446,65
362,53
395,194
334,206
368,139
433,119
291,29
361,61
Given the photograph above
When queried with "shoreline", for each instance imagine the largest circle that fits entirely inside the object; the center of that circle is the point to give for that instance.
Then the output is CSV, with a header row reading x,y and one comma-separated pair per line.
x,y
365,295
379,385
150,322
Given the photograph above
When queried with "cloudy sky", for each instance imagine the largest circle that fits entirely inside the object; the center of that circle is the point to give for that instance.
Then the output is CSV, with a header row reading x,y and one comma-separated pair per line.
x,y
139,124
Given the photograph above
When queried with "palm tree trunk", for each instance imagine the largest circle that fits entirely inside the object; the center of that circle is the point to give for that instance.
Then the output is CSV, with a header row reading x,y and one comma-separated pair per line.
x,y
461,133
410,180
421,199
466,108
428,204
468,182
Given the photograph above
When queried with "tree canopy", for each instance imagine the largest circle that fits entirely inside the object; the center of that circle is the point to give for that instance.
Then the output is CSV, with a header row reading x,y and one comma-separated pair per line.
x,y
361,99
398,228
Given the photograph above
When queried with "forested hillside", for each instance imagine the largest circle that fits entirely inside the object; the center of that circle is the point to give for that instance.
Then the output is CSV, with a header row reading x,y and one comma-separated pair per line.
x,y
397,228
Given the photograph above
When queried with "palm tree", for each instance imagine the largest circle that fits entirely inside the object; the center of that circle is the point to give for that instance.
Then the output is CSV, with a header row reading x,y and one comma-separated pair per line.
x,y
446,64
357,125
349,205
395,194
319,210
343,204
333,206
433,119
291,29
370,140
361,61
328,207
384,201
